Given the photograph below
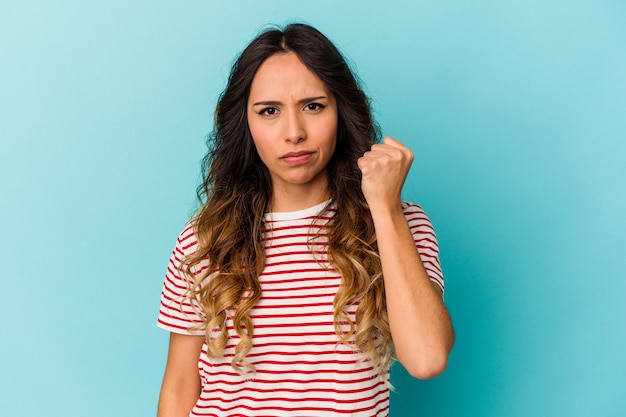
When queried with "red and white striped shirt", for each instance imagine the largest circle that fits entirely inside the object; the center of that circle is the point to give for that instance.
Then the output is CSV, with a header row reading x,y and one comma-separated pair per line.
x,y
301,370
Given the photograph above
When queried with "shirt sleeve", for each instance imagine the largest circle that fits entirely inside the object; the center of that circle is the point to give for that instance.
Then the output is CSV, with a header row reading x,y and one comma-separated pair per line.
x,y
178,313
425,241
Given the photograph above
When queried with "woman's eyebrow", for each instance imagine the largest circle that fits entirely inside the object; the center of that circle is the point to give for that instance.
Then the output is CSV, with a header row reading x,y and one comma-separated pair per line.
x,y
278,103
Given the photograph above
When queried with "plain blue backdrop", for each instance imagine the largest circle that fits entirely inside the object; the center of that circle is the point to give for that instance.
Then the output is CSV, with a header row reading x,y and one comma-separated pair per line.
x,y
516,111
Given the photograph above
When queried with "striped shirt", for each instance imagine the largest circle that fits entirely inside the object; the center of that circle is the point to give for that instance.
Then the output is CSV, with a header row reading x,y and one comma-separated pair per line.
x,y
301,370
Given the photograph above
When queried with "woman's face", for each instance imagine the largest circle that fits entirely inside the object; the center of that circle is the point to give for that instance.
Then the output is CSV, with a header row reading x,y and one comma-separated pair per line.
x,y
292,116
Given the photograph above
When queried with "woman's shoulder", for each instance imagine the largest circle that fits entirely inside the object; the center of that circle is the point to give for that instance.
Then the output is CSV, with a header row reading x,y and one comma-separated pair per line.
x,y
187,240
415,215
412,209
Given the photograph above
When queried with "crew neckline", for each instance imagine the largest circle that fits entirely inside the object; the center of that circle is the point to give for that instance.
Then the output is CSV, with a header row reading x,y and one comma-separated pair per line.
x,y
298,214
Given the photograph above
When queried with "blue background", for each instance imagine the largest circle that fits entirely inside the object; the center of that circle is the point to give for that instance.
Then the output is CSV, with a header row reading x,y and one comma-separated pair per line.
x,y
515,111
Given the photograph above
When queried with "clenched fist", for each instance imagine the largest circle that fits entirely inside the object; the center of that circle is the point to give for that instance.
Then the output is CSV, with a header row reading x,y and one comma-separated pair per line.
x,y
385,168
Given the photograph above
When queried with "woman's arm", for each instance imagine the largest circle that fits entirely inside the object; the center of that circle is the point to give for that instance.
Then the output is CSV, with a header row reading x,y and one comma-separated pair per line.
x,y
420,324
181,383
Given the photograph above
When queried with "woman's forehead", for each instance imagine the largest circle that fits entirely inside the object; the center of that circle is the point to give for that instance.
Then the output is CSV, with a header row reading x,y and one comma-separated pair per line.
x,y
284,75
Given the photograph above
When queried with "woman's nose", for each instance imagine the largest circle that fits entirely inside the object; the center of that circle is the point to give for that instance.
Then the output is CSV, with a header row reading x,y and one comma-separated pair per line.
x,y
295,131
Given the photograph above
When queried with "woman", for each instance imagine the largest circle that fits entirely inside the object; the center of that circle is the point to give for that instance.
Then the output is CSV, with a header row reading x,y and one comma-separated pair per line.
x,y
299,282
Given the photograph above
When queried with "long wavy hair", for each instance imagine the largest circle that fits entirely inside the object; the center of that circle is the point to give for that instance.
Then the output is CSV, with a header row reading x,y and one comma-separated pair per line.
x,y
236,192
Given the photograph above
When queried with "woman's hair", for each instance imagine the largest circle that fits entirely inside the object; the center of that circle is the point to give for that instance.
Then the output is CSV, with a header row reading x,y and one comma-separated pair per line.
x,y
237,190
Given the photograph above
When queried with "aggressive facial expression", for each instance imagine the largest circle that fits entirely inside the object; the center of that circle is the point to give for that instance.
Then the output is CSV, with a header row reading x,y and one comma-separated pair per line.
x,y
292,116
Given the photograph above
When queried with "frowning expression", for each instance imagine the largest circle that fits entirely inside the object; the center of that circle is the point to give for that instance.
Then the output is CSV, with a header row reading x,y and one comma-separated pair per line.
x,y
292,116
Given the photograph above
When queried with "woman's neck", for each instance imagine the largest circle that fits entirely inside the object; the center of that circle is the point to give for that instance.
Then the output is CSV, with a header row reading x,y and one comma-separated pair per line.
x,y
298,199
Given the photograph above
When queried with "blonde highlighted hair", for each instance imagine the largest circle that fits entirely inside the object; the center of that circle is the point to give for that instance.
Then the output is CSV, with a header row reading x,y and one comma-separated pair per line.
x,y
236,193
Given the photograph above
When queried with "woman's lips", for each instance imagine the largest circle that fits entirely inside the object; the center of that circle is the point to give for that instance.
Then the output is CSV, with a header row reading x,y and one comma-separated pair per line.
x,y
295,158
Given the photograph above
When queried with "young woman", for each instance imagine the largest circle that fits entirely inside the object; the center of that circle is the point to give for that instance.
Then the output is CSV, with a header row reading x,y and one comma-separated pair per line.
x,y
304,275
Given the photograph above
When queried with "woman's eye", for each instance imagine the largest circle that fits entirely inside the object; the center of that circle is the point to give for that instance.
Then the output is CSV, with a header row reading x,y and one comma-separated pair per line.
x,y
268,111
314,106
